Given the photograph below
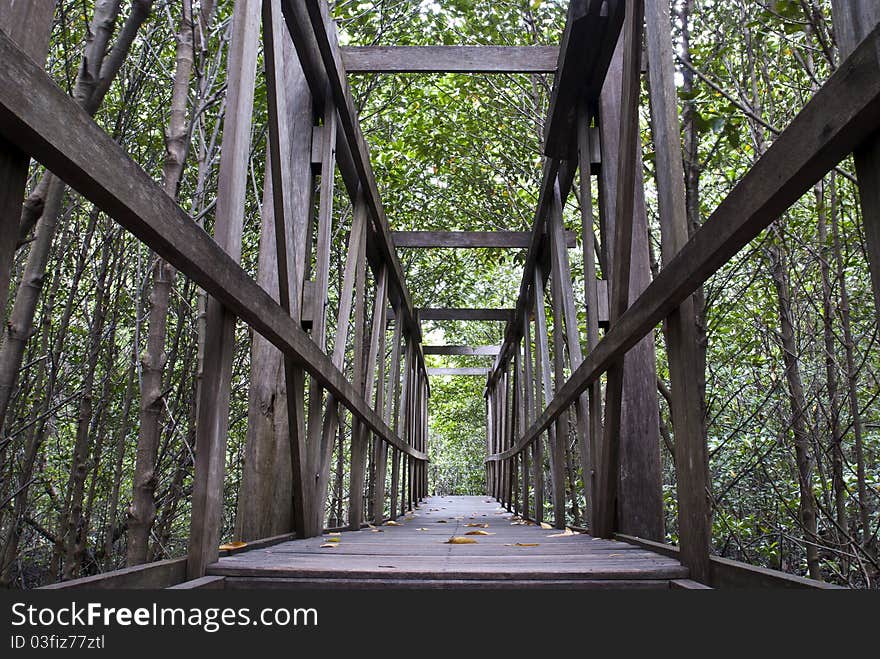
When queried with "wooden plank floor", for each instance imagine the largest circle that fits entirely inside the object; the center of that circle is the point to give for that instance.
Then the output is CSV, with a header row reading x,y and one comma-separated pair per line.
x,y
416,554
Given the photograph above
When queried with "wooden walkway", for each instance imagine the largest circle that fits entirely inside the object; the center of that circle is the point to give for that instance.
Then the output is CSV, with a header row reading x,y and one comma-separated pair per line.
x,y
417,554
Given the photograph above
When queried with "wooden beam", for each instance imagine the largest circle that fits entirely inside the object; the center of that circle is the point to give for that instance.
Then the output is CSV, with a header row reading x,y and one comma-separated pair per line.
x,y
727,573
28,23
282,182
219,340
151,576
503,315
591,32
691,459
473,351
66,140
470,239
450,59
853,20
482,372
314,35
842,114
608,472
553,170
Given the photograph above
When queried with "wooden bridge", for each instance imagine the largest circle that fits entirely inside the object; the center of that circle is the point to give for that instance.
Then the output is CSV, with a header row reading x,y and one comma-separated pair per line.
x,y
541,375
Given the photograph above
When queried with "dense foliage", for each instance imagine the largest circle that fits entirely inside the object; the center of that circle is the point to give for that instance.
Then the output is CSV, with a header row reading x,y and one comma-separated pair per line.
x,y
457,152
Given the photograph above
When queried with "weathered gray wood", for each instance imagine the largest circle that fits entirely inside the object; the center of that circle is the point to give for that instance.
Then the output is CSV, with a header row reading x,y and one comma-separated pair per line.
x,y
288,298
474,351
161,574
840,116
357,472
407,555
28,23
213,406
640,500
591,32
853,21
202,583
727,573
94,165
319,325
592,294
380,455
534,405
388,390
608,474
450,59
687,584
356,241
553,171
314,35
691,459
564,310
482,372
323,583
503,315
542,375
470,239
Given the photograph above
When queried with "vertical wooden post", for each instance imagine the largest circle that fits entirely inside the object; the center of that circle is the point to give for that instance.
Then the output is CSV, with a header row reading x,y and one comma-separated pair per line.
x,y
358,440
605,514
377,331
853,20
532,400
691,461
591,293
28,23
289,291
521,427
398,471
563,304
389,392
314,453
555,433
213,405
356,240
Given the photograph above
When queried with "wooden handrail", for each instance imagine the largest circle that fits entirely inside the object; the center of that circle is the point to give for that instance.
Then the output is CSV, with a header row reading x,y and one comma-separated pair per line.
x,y
839,117
61,136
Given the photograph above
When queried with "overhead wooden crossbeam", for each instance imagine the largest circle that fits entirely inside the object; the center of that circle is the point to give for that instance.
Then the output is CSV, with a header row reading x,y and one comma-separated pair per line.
x,y
503,315
466,372
470,239
839,118
61,136
591,33
470,351
450,59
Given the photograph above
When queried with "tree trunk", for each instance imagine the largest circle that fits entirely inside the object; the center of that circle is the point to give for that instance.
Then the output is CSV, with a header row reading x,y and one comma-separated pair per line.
x,y
142,511
797,400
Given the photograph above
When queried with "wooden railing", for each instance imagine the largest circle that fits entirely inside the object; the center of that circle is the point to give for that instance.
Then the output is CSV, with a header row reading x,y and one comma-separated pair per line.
x,y
842,117
387,404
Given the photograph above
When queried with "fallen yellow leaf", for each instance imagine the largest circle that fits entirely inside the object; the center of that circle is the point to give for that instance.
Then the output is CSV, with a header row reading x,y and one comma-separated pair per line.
x,y
391,522
455,540
545,525
478,525
479,533
567,531
334,540
232,545
526,544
